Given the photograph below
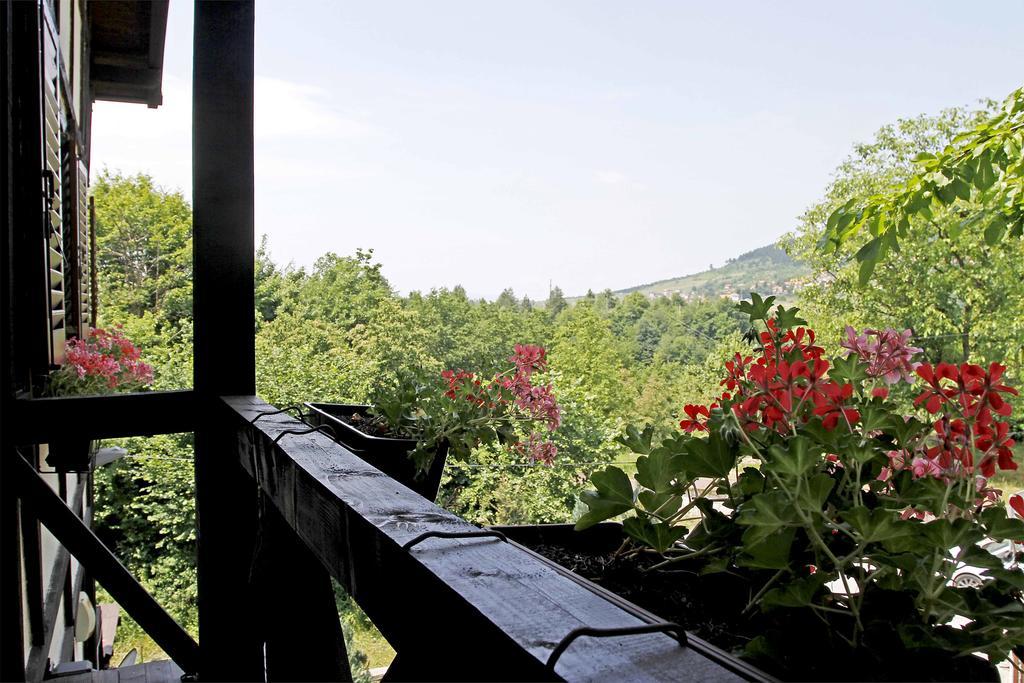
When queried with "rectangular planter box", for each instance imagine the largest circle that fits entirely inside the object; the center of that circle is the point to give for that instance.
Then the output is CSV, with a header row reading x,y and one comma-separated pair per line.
x,y
389,455
607,537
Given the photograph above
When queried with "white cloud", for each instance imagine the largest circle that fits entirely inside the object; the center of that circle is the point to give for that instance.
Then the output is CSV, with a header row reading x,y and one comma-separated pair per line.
x,y
288,110
618,179
132,138
610,177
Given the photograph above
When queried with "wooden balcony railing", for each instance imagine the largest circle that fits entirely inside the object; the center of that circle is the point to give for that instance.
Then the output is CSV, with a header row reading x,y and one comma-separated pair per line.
x,y
472,608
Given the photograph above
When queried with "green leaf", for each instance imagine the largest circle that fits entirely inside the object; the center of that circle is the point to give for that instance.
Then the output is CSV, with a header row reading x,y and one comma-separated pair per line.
x,y
797,593
637,441
757,308
711,457
979,557
869,252
986,175
770,553
817,491
657,535
877,525
864,273
787,318
1013,577
658,470
849,369
946,533
1002,527
793,460
614,496
765,514
751,481
995,230
661,504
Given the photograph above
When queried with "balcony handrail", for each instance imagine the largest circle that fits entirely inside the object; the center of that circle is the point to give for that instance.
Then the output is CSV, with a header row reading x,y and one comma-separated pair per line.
x,y
499,611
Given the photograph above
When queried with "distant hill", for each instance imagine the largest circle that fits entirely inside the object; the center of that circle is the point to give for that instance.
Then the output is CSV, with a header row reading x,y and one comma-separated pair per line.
x,y
768,270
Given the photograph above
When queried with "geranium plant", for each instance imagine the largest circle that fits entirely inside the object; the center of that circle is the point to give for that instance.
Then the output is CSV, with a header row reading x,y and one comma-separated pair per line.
x,y
843,495
465,410
104,362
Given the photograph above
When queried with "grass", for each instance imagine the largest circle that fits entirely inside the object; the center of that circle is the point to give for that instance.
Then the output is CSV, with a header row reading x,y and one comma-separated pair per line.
x,y
372,644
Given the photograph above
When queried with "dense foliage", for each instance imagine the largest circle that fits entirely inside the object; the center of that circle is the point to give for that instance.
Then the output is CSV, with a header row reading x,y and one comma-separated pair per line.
x,y
979,174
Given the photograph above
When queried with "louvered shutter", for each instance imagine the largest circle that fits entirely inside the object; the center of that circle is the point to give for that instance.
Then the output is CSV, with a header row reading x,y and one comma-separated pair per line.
x,y
84,280
77,264
53,184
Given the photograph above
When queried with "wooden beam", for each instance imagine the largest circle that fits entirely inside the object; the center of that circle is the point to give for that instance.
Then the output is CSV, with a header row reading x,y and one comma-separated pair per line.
x,y
20,212
224,245
225,328
55,594
505,609
80,541
302,616
42,420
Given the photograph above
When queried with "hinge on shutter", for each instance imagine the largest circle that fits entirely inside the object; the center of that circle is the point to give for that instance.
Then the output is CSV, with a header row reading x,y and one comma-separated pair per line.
x,y
49,186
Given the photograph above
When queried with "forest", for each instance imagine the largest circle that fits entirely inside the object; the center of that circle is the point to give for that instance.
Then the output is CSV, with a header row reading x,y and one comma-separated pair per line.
x,y
332,331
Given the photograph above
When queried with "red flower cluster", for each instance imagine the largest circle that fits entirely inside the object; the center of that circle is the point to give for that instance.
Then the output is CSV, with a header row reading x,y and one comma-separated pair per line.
x,y
784,385
459,379
967,434
514,388
109,357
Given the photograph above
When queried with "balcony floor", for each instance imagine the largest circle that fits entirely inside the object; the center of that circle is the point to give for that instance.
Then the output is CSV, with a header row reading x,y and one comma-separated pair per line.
x,y
164,671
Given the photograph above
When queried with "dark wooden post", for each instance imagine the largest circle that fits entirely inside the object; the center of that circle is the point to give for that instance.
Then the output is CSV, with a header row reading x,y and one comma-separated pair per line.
x,y
303,636
224,254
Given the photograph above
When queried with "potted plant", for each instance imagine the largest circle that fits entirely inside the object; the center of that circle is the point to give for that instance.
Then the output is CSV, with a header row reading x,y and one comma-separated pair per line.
x,y
414,423
103,362
812,519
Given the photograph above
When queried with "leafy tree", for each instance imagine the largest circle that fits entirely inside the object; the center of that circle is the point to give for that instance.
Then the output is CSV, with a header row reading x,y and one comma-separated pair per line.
x,y
344,290
960,295
556,303
507,299
144,248
978,174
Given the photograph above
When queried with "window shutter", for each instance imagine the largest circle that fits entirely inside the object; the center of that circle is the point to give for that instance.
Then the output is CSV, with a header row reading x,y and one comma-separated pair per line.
x,y
84,280
77,265
52,178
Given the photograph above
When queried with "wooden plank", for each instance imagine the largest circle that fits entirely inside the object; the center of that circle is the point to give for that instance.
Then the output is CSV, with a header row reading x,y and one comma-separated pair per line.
x,y
55,594
224,243
79,540
499,604
224,331
32,556
18,200
39,420
300,625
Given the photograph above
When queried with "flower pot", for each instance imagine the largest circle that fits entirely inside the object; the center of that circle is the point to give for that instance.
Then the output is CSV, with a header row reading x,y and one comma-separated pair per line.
x,y
389,455
710,608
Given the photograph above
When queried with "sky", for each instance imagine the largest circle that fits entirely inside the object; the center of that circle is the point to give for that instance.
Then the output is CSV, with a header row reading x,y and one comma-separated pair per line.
x,y
589,145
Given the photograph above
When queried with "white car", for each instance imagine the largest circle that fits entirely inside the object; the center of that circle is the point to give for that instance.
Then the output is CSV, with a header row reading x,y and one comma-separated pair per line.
x,y
969,576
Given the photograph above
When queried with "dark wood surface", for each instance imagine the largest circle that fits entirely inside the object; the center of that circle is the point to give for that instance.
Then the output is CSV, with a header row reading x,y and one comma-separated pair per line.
x,y
504,609
75,537
55,592
224,333
40,420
